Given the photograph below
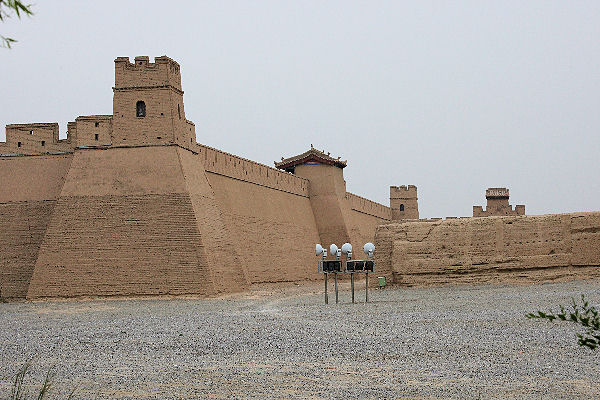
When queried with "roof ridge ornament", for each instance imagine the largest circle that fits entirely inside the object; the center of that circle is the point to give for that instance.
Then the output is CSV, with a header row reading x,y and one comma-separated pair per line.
x,y
312,155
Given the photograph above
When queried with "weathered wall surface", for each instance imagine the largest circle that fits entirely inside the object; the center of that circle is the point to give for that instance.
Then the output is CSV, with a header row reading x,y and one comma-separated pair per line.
x,y
274,231
122,225
28,192
362,217
493,249
161,219
219,247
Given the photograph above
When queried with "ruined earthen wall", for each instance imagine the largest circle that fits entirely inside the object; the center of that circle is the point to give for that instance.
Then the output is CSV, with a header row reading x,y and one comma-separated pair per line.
x,y
493,249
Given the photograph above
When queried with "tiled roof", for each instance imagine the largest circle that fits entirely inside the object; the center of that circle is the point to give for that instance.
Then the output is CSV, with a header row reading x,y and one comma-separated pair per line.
x,y
313,155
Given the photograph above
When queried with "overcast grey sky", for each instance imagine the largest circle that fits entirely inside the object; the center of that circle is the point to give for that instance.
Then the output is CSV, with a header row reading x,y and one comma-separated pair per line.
x,y
453,97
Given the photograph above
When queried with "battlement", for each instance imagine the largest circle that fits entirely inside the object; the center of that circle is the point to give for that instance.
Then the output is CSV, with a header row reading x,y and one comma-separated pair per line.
x,y
226,164
497,204
369,207
403,192
163,72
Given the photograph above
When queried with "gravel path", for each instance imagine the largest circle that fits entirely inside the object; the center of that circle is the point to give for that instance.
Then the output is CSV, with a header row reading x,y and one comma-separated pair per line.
x,y
452,342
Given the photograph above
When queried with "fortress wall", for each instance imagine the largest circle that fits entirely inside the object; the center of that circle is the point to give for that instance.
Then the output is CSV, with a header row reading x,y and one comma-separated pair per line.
x,y
23,227
369,207
229,165
492,249
29,189
362,218
274,231
34,139
32,178
226,267
123,225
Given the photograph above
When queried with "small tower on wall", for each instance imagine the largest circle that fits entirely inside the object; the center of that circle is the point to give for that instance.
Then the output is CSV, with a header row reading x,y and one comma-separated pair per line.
x,y
327,190
404,202
497,204
148,103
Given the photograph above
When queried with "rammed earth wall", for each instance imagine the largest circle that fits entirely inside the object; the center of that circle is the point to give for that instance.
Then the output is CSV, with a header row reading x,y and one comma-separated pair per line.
x,y
491,249
160,220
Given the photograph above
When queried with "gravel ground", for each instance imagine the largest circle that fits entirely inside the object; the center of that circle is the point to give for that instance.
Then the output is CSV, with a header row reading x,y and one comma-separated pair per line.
x,y
283,342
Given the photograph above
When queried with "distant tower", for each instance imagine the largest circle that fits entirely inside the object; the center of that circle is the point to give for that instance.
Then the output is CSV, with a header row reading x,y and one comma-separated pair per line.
x,y
148,103
497,204
403,202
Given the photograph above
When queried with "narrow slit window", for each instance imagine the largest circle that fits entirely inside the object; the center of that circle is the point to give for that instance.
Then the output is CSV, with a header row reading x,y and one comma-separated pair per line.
x,y
96,137
18,144
140,109
31,132
179,111
401,207
97,124
43,143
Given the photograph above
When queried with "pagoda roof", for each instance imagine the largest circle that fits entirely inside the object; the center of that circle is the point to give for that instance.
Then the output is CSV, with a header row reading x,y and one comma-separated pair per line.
x,y
312,155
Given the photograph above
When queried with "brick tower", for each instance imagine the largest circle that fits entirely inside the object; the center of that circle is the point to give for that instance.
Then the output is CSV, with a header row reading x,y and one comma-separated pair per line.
x,y
403,202
148,103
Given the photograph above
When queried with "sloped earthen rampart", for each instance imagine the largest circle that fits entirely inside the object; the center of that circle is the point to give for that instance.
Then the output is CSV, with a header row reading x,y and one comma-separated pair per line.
x,y
492,249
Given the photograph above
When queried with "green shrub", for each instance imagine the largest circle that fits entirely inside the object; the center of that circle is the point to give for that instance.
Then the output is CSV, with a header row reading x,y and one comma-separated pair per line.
x,y
581,314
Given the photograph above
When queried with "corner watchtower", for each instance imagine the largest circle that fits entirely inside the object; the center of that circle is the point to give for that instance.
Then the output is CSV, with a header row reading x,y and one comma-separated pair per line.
x,y
404,202
148,103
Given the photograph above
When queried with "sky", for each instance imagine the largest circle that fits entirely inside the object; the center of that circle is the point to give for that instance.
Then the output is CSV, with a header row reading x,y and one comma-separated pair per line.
x,y
453,97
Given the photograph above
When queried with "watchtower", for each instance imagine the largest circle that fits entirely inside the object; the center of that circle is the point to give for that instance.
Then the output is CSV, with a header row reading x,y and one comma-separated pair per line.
x,y
404,202
497,204
148,103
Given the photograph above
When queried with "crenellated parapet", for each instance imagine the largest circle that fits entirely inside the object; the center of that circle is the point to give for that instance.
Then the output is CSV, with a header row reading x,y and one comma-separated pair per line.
x,y
369,207
143,74
497,204
232,166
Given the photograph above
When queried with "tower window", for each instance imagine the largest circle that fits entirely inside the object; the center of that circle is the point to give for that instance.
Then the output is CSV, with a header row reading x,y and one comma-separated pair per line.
x,y
96,137
31,132
401,207
43,142
140,109
179,111
18,144
97,124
